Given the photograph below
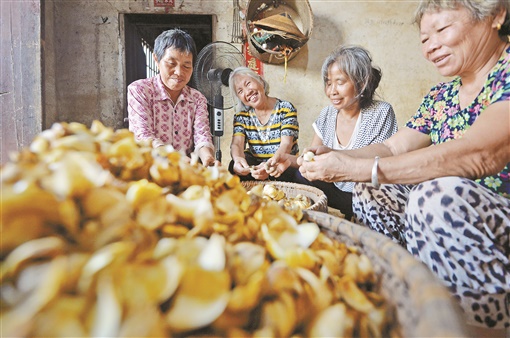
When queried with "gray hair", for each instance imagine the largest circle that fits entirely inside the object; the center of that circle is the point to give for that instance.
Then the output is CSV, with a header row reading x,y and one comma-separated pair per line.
x,y
479,9
356,63
239,106
177,39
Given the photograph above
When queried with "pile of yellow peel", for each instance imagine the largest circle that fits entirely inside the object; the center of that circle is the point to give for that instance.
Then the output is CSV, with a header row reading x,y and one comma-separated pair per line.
x,y
105,236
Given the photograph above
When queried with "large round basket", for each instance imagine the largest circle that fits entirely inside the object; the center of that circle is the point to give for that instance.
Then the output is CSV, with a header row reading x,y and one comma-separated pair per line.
x,y
317,196
424,306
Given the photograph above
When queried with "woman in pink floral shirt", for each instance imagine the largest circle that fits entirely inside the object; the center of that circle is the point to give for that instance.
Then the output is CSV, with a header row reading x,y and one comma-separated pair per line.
x,y
164,108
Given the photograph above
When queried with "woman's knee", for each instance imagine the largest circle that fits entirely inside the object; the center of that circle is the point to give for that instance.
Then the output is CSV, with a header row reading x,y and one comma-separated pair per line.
x,y
437,192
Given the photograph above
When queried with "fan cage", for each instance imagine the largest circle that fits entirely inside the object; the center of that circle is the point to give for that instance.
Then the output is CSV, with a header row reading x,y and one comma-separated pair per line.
x,y
216,55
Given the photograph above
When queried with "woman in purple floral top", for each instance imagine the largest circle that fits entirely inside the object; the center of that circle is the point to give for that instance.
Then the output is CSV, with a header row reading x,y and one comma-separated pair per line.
x,y
446,191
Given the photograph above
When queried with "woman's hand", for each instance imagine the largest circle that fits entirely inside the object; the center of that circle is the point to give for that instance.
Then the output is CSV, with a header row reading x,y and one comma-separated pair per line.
x,y
315,150
208,161
277,164
206,155
327,165
241,167
259,172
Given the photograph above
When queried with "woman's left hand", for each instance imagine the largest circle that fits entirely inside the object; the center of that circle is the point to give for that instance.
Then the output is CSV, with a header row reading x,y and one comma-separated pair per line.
x,y
259,172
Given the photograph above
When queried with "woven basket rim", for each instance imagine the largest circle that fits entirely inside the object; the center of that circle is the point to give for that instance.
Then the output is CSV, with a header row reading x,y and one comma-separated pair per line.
x,y
319,199
429,310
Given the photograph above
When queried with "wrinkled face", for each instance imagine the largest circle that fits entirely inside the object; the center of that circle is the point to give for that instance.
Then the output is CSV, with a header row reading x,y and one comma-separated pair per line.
x,y
340,89
451,40
175,68
250,92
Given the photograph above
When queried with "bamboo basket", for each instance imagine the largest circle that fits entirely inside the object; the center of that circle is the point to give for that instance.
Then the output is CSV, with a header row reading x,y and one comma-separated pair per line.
x,y
317,196
425,308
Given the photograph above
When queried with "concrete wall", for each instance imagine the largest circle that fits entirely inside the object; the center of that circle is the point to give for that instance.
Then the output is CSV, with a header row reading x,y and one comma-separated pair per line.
x,y
87,60
20,74
385,29
84,68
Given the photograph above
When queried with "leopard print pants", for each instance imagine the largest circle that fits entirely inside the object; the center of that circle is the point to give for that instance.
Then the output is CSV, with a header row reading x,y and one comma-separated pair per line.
x,y
459,229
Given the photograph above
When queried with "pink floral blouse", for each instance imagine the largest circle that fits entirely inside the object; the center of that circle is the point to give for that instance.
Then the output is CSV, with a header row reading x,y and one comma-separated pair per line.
x,y
151,116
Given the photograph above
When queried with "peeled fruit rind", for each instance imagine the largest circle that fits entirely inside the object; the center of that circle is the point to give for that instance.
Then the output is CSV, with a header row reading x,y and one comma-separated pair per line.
x,y
201,299
308,156
104,235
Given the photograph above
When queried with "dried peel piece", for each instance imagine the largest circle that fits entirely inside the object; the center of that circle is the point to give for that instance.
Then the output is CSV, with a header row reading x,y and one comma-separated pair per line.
x,y
142,320
353,296
201,298
102,258
279,314
35,249
278,240
331,322
62,318
245,259
212,257
142,191
108,310
245,297
17,321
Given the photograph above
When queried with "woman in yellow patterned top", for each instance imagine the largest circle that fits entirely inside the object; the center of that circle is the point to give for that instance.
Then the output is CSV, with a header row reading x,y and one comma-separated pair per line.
x,y
263,126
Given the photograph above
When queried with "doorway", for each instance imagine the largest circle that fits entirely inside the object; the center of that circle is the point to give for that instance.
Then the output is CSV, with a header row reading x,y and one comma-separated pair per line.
x,y
140,31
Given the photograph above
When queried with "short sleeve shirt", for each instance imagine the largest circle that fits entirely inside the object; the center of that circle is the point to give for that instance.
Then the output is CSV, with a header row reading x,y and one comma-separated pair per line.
x,y
152,115
378,123
441,117
264,139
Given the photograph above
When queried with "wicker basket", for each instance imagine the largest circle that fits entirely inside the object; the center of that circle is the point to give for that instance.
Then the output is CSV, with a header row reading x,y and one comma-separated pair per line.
x,y
319,199
424,306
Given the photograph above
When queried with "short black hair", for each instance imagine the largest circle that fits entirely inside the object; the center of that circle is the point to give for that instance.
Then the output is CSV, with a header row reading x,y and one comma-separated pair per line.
x,y
176,38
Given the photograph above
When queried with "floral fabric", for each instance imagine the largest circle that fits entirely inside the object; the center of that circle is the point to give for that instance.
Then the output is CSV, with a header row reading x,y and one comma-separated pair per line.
x,y
441,117
184,125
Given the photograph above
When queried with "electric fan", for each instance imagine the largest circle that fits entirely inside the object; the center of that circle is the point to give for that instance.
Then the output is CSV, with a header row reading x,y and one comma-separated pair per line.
x,y
214,64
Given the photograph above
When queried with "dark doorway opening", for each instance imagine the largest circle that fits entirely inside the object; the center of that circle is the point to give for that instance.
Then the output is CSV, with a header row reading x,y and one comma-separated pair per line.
x,y
140,31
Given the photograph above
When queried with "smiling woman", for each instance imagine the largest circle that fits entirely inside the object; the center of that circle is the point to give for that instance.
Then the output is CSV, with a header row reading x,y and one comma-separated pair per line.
x,y
163,108
353,119
445,183
267,125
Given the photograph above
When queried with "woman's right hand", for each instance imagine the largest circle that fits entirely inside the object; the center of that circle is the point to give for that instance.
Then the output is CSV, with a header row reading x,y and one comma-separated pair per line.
x,y
319,150
259,172
241,167
327,165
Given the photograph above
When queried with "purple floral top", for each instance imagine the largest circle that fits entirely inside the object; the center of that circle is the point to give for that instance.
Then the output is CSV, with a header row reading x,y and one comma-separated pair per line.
x,y
151,116
441,117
